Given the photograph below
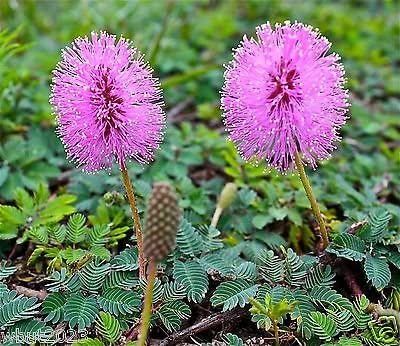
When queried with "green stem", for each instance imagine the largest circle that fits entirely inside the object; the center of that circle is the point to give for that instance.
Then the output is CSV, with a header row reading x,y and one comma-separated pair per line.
x,y
136,220
311,197
276,332
148,302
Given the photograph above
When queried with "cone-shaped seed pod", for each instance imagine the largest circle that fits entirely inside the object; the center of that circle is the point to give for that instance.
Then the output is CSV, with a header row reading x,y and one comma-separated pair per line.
x,y
162,221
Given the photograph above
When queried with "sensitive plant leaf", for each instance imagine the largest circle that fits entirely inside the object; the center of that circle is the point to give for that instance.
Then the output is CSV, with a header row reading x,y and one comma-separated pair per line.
x,y
53,307
233,293
188,239
108,327
92,276
172,313
14,308
247,271
378,271
118,301
6,271
31,331
80,311
76,228
323,326
193,277
348,246
232,339
378,221
125,260
319,276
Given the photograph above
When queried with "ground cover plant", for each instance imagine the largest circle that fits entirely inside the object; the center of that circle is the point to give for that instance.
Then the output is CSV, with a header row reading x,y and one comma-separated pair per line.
x,y
209,243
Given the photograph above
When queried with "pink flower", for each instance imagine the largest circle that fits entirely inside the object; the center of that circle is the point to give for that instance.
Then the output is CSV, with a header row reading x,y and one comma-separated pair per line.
x,y
109,105
283,94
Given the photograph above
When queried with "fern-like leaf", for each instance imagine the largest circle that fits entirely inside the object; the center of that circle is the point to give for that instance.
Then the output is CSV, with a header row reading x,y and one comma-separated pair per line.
x,y
188,239
97,236
76,228
172,313
31,331
80,311
172,291
232,340
217,262
121,279
271,267
378,271
53,307
378,221
329,297
295,268
319,276
348,246
343,319
39,235
247,271
118,301
62,281
233,293
14,308
108,327
361,318
323,326
93,275
126,260
6,271
193,277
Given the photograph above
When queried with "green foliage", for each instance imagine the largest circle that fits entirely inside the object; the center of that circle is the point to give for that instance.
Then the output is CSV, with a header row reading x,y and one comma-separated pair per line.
x,y
58,242
108,327
6,271
377,270
323,326
172,313
118,301
53,307
233,293
80,311
232,339
269,312
192,276
33,211
14,307
373,245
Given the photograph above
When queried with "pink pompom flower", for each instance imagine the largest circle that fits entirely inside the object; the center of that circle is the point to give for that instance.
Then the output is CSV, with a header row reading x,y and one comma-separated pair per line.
x,y
108,103
284,94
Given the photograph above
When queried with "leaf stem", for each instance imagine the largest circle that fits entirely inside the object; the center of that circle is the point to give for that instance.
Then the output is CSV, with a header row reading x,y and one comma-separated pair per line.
x,y
136,220
148,302
310,194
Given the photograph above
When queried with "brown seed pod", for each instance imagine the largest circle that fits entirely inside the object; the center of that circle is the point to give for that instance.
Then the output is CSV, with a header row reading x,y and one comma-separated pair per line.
x,y
162,221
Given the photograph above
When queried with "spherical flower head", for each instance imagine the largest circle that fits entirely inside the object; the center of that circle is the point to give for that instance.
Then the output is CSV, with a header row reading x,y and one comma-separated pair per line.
x,y
283,94
108,104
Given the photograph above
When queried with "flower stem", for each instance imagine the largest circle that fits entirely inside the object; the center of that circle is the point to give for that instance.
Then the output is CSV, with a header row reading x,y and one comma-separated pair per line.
x,y
136,220
310,194
216,216
148,302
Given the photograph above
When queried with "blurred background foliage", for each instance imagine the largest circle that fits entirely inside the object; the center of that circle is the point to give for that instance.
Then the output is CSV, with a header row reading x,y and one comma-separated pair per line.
x,y
187,43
